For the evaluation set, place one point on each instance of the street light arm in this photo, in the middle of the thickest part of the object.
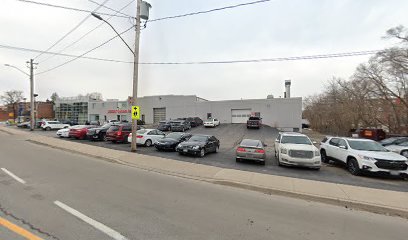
(123, 40)
(18, 69)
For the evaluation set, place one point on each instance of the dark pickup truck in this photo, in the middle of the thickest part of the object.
(254, 122)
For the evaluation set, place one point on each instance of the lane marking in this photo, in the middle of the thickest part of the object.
(20, 231)
(13, 176)
(100, 226)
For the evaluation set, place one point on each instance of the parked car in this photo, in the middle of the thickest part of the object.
(24, 125)
(99, 133)
(211, 122)
(188, 120)
(369, 133)
(400, 148)
(362, 155)
(393, 141)
(171, 141)
(179, 126)
(164, 125)
(196, 122)
(80, 131)
(147, 137)
(199, 145)
(119, 133)
(51, 125)
(250, 149)
(254, 122)
(63, 133)
(296, 149)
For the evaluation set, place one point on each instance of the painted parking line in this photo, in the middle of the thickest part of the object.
(13, 176)
(18, 230)
(100, 226)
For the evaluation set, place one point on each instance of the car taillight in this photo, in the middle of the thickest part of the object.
(260, 151)
(241, 150)
(119, 133)
(139, 136)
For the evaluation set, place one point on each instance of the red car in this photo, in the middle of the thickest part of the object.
(80, 131)
(118, 133)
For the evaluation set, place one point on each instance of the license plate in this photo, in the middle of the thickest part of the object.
(185, 150)
(394, 173)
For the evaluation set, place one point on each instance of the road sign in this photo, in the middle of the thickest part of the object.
(135, 112)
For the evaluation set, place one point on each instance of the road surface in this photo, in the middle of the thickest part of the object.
(53, 194)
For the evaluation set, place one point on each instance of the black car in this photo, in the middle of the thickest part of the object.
(164, 126)
(188, 120)
(199, 145)
(99, 133)
(196, 122)
(171, 141)
(179, 126)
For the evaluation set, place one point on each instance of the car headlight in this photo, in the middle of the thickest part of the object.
(317, 153)
(196, 147)
(178, 146)
(367, 158)
(284, 151)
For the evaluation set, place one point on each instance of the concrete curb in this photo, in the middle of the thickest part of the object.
(347, 203)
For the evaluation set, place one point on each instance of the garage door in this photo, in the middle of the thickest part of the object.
(240, 115)
(159, 114)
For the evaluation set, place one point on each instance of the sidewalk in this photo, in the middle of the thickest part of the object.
(373, 200)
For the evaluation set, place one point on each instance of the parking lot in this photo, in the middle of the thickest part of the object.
(230, 136)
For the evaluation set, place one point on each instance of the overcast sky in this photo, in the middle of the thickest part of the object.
(280, 28)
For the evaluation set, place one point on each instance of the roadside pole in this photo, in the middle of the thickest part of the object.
(135, 74)
(32, 105)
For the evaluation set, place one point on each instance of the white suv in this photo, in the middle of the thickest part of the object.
(48, 125)
(296, 149)
(363, 155)
(211, 122)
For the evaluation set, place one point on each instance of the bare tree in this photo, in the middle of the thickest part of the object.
(11, 98)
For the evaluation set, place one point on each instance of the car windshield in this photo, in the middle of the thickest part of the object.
(162, 122)
(251, 143)
(254, 118)
(390, 140)
(175, 123)
(141, 132)
(176, 136)
(114, 128)
(365, 145)
(403, 144)
(198, 138)
(296, 140)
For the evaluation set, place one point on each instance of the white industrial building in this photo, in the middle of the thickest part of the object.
(282, 113)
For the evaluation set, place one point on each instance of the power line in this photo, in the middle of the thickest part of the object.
(60, 54)
(82, 55)
(86, 34)
(277, 59)
(116, 11)
(67, 8)
(209, 11)
(71, 31)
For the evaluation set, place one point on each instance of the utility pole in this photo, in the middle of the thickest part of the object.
(32, 105)
(135, 74)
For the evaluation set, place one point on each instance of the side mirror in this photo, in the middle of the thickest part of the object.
(277, 140)
(314, 142)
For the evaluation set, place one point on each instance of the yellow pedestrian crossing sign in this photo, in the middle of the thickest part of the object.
(135, 112)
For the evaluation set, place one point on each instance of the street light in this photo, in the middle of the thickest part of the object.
(145, 15)
(31, 75)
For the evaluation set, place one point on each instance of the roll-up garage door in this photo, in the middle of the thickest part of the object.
(159, 114)
(240, 115)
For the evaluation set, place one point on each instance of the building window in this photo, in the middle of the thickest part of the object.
(93, 105)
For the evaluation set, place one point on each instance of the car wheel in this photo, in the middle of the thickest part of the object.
(216, 149)
(405, 153)
(202, 152)
(262, 163)
(279, 163)
(323, 156)
(148, 143)
(352, 167)
(47, 129)
(104, 138)
(237, 160)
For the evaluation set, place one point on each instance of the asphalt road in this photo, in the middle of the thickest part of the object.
(69, 196)
(231, 134)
